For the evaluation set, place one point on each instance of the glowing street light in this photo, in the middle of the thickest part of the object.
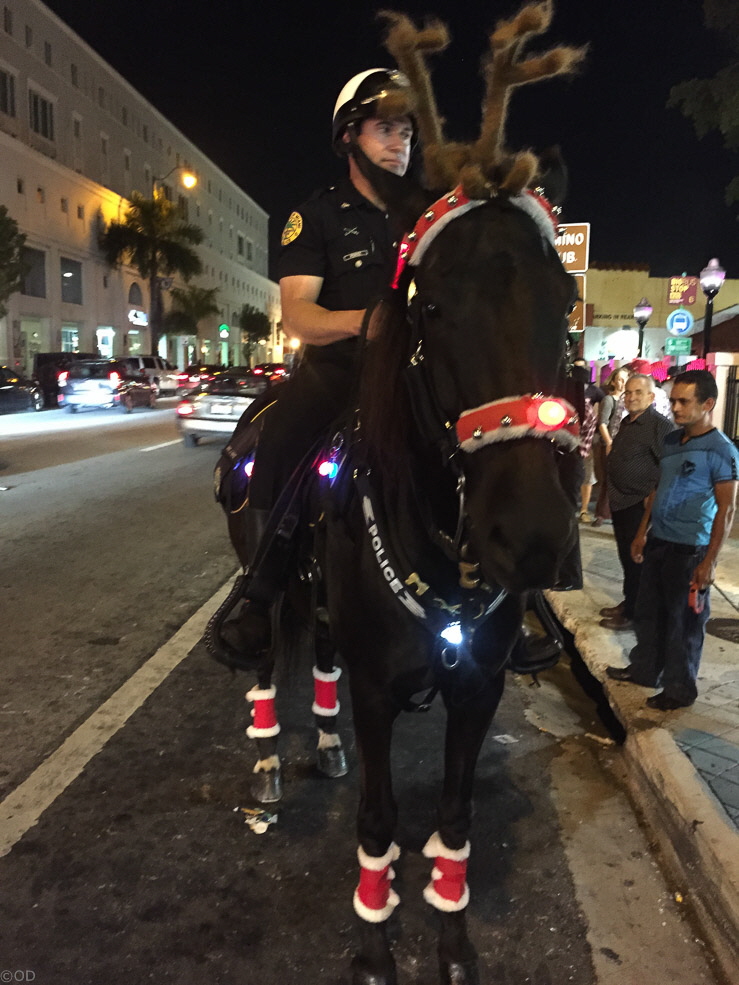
(711, 278)
(642, 314)
(188, 179)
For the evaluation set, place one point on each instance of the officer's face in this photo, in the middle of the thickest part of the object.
(387, 143)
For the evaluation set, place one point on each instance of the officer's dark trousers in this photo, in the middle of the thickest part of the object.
(308, 403)
(669, 633)
(625, 525)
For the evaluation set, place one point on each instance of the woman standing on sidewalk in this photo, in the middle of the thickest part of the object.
(609, 419)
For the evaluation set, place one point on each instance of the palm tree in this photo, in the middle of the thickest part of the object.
(155, 240)
(189, 306)
(254, 325)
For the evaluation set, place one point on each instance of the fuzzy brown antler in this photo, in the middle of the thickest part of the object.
(483, 168)
(504, 72)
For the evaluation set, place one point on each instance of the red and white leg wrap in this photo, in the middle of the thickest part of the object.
(263, 713)
(448, 889)
(324, 688)
(374, 897)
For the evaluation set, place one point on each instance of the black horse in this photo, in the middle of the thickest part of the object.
(448, 507)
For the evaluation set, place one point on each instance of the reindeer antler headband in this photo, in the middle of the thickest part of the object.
(483, 168)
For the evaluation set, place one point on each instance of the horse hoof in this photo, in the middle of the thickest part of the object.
(362, 975)
(332, 762)
(459, 973)
(266, 786)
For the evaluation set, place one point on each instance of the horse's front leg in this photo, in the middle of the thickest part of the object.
(374, 898)
(330, 755)
(449, 847)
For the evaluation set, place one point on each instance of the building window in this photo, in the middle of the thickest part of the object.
(145, 132)
(34, 279)
(77, 128)
(65, 205)
(41, 114)
(29, 36)
(74, 75)
(135, 296)
(124, 116)
(20, 186)
(80, 212)
(8, 20)
(240, 245)
(104, 146)
(249, 251)
(101, 97)
(47, 52)
(70, 339)
(71, 271)
(40, 195)
(126, 160)
(7, 93)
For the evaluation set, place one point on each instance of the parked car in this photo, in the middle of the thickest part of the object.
(162, 374)
(274, 372)
(101, 383)
(17, 393)
(191, 377)
(46, 369)
(215, 408)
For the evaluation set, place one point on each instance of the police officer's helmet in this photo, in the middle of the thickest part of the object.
(358, 99)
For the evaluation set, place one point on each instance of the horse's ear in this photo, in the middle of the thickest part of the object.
(552, 175)
(404, 196)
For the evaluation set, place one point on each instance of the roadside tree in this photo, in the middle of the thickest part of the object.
(12, 267)
(254, 325)
(155, 240)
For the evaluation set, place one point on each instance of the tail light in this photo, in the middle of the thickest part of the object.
(257, 371)
(63, 376)
(115, 378)
(185, 409)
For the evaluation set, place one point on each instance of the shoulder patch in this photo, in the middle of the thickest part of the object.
(293, 228)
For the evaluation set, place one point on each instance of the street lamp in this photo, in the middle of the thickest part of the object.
(189, 179)
(712, 277)
(642, 314)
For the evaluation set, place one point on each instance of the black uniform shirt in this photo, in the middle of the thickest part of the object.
(340, 236)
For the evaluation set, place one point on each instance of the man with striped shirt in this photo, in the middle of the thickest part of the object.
(633, 470)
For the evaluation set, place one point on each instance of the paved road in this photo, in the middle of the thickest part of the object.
(141, 869)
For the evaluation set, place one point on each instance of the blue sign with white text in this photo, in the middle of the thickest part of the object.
(679, 322)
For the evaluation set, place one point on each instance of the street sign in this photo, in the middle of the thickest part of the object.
(573, 246)
(576, 318)
(680, 322)
(677, 346)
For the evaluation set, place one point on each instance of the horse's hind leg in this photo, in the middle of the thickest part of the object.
(266, 785)
(467, 726)
(330, 756)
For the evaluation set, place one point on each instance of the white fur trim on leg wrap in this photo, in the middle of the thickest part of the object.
(374, 897)
(448, 890)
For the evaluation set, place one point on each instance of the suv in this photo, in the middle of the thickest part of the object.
(103, 383)
(46, 369)
(162, 374)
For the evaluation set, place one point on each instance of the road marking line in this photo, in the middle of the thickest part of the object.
(164, 444)
(23, 808)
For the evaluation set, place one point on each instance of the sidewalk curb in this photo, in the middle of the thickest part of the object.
(696, 838)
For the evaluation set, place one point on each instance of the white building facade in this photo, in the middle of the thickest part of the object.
(75, 140)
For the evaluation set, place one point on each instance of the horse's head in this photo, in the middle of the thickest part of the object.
(491, 307)
(491, 304)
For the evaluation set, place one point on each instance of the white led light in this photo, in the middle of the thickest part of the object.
(452, 634)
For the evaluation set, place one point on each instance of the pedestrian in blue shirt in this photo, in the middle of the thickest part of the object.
(686, 522)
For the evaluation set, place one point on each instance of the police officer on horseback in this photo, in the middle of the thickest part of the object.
(338, 254)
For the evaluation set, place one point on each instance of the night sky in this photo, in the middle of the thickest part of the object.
(253, 86)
